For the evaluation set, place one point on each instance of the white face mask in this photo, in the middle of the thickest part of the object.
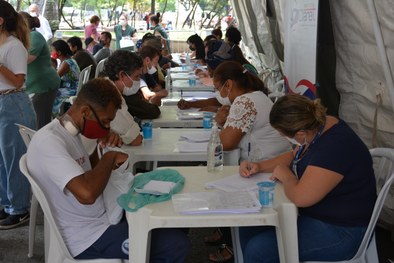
(222, 100)
(33, 14)
(69, 125)
(293, 141)
(127, 91)
(152, 70)
(122, 22)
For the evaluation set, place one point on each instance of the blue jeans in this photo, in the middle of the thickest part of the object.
(317, 241)
(14, 187)
(168, 245)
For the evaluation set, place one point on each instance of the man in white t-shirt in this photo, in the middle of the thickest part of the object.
(73, 181)
(45, 28)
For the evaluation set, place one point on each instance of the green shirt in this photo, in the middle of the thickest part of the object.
(41, 75)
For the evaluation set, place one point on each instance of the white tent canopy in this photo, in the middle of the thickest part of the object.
(362, 78)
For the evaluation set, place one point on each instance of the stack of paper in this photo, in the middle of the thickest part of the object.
(189, 147)
(202, 136)
(236, 182)
(216, 202)
(196, 115)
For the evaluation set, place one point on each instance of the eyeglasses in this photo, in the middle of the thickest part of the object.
(97, 118)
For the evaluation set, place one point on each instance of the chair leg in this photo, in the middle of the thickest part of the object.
(32, 224)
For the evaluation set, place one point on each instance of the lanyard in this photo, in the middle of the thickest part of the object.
(298, 156)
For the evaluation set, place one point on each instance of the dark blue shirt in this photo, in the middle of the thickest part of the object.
(351, 202)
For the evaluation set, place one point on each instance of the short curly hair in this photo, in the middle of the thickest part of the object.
(99, 92)
(121, 60)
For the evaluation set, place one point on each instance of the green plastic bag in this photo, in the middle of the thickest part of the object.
(132, 201)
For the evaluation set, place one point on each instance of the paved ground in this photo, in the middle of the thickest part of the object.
(14, 245)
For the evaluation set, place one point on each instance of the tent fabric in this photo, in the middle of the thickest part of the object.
(359, 75)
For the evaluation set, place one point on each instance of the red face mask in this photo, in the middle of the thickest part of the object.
(94, 129)
(54, 55)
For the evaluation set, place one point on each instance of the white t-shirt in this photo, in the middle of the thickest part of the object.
(45, 28)
(54, 157)
(124, 124)
(250, 113)
(13, 55)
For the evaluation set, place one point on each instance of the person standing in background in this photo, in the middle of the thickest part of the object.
(158, 30)
(15, 107)
(42, 80)
(45, 28)
(91, 29)
(123, 30)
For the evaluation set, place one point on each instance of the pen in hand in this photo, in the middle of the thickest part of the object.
(249, 159)
(181, 94)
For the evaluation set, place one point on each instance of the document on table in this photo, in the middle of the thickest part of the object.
(236, 182)
(191, 115)
(216, 203)
(190, 147)
(197, 137)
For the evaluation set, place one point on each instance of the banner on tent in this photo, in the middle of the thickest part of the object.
(300, 47)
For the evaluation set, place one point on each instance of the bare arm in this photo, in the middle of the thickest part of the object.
(64, 68)
(183, 104)
(314, 185)
(16, 80)
(247, 168)
(89, 186)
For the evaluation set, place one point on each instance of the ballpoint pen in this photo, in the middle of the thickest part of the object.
(181, 94)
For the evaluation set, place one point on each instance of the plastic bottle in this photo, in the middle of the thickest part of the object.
(215, 151)
(168, 80)
(188, 59)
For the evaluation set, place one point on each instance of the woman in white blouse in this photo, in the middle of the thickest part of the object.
(247, 126)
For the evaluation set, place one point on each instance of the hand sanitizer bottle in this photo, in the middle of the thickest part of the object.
(215, 151)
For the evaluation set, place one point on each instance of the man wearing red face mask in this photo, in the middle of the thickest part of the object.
(74, 182)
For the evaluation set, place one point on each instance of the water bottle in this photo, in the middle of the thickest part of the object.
(168, 80)
(188, 59)
(215, 151)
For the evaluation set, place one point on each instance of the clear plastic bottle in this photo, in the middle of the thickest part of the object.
(215, 151)
(167, 79)
(188, 62)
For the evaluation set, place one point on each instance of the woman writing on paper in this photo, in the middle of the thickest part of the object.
(247, 123)
(329, 176)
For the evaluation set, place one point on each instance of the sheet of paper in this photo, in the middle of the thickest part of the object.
(186, 147)
(236, 182)
(216, 202)
(202, 136)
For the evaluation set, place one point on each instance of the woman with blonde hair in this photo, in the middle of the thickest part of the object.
(329, 176)
(15, 107)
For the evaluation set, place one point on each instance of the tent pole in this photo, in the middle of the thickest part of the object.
(382, 50)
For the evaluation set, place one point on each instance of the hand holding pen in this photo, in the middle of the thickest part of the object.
(247, 169)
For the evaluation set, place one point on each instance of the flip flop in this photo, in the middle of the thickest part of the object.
(224, 254)
(216, 238)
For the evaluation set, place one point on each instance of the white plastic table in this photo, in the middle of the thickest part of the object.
(183, 85)
(161, 149)
(162, 215)
(174, 96)
(169, 119)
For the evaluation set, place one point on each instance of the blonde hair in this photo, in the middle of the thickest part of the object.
(294, 112)
(14, 23)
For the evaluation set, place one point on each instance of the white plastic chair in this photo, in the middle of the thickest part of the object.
(100, 67)
(384, 174)
(55, 249)
(27, 134)
(83, 77)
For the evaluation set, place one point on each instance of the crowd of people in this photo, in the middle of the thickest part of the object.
(293, 138)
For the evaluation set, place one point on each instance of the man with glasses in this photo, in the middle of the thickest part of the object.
(74, 182)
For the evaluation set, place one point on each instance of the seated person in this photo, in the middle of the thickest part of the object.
(125, 77)
(217, 32)
(68, 72)
(82, 57)
(90, 43)
(73, 181)
(247, 125)
(196, 45)
(105, 51)
(137, 105)
(335, 194)
(151, 90)
(165, 60)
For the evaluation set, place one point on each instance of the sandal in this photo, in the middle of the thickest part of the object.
(224, 254)
(215, 239)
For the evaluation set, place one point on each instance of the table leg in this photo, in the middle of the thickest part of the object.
(139, 236)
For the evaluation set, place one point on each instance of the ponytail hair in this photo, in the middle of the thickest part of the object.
(14, 23)
(155, 18)
(32, 21)
(240, 75)
(293, 112)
